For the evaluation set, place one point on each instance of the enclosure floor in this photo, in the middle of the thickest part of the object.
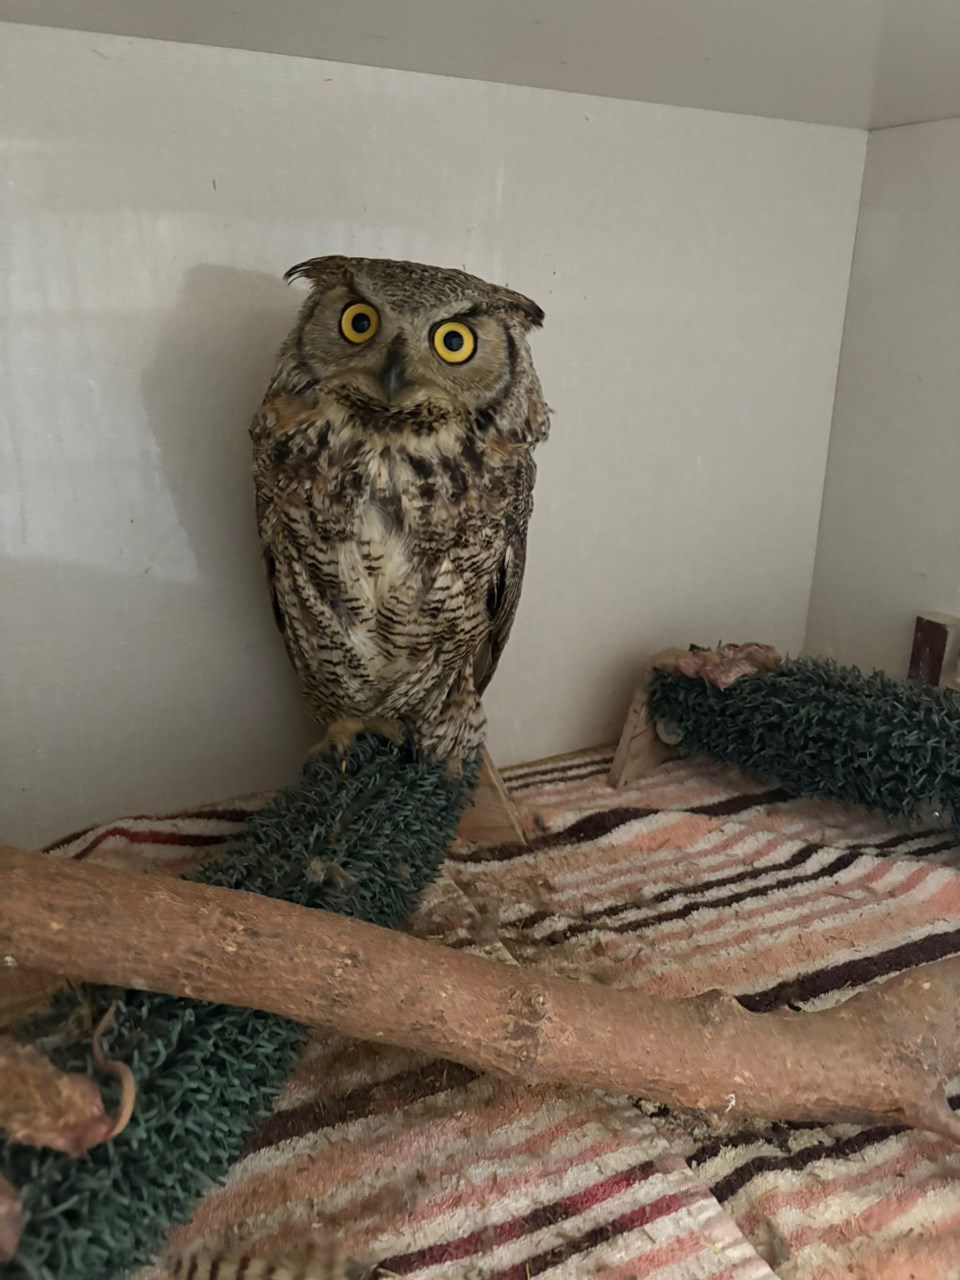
(693, 878)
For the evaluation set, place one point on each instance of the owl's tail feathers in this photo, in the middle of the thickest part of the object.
(451, 726)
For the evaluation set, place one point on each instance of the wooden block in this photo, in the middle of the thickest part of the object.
(640, 750)
(492, 818)
(936, 650)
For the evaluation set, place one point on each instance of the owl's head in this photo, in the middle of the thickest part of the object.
(403, 337)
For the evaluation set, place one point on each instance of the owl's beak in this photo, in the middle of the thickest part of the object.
(393, 375)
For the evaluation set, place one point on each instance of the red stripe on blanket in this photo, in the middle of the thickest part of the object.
(545, 1215)
(238, 816)
(602, 1233)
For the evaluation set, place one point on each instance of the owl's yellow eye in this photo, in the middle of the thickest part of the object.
(454, 342)
(359, 322)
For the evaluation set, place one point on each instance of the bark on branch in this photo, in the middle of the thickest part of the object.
(883, 1056)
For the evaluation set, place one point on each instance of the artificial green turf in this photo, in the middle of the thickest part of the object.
(363, 837)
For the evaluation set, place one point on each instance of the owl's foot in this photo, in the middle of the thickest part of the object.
(342, 734)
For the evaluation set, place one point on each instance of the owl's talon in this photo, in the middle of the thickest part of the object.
(342, 734)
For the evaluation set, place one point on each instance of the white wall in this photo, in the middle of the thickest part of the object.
(693, 267)
(866, 64)
(890, 538)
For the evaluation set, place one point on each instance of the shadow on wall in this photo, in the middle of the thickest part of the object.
(211, 368)
(176, 690)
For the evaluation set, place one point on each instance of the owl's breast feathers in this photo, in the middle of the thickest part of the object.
(395, 558)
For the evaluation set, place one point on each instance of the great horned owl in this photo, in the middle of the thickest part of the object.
(393, 460)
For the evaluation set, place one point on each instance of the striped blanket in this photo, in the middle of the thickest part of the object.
(693, 878)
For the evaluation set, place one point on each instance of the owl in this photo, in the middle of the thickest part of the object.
(394, 473)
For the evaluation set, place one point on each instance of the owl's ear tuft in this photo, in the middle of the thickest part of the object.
(527, 312)
(323, 273)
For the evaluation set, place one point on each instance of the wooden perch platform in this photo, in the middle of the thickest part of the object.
(491, 817)
(883, 1056)
(641, 748)
(935, 658)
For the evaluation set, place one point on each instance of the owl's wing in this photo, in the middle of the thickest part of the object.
(503, 590)
(270, 568)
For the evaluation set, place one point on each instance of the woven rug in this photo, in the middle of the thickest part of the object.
(694, 878)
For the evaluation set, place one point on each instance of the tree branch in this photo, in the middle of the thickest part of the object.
(883, 1056)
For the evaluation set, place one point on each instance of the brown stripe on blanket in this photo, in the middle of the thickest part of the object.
(854, 973)
(832, 1146)
(914, 847)
(776, 1133)
(907, 837)
(592, 827)
(572, 773)
(604, 822)
(929, 850)
(739, 804)
(854, 1145)
(710, 904)
(603, 915)
(601, 759)
(382, 1098)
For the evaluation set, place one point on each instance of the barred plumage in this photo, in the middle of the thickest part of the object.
(394, 474)
(321, 1260)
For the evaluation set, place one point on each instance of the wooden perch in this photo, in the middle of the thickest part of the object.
(883, 1056)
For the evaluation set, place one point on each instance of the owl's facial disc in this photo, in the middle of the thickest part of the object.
(421, 357)
(393, 375)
